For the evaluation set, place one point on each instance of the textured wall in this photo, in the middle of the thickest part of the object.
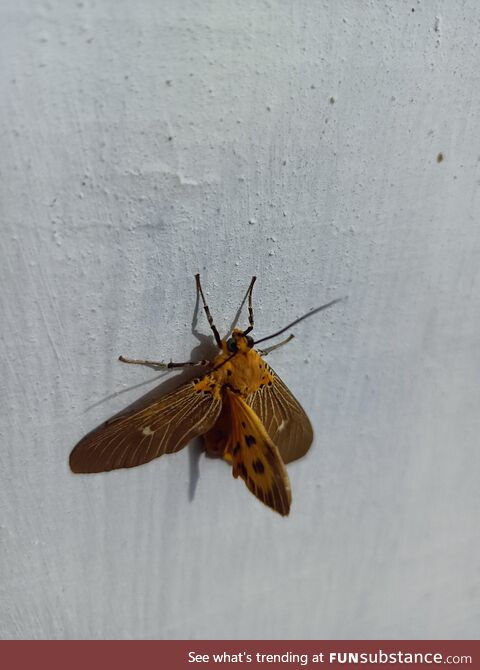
(143, 142)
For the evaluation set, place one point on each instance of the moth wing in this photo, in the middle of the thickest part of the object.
(218, 437)
(163, 427)
(283, 417)
(256, 459)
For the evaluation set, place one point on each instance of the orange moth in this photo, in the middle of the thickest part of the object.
(240, 406)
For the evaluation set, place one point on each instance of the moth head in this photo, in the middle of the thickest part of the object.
(238, 342)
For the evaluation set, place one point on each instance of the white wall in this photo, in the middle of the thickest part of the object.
(145, 141)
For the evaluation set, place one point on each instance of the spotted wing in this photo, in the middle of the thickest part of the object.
(284, 419)
(218, 437)
(162, 427)
(255, 458)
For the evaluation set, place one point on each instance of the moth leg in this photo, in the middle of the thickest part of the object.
(161, 364)
(264, 352)
(250, 307)
(218, 339)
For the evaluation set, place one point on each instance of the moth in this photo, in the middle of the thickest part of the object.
(240, 406)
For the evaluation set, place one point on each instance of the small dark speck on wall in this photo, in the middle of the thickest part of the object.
(440, 157)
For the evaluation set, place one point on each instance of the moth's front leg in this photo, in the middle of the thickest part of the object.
(161, 365)
(264, 352)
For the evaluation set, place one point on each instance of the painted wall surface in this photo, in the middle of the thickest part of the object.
(331, 148)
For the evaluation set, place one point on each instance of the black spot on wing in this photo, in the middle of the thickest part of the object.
(258, 466)
(271, 456)
(249, 439)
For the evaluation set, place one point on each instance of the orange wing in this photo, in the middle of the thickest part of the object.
(218, 437)
(255, 457)
(163, 427)
(283, 417)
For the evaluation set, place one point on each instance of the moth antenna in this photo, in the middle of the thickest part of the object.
(305, 316)
(250, 307)
(215, 332)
